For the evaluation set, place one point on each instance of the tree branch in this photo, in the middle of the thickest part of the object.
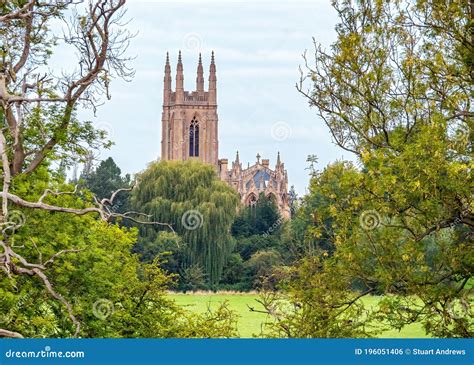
(10, 334)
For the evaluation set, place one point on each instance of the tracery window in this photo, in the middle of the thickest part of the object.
(194, 138)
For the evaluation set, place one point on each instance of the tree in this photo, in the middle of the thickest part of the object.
(293, 200)
(247, 246)
(51, 232)
(318, 303)
(200, 207)
(168, 246)
(330, 192)
(257, 231)
(261, 266)
(38, 109)
(396, 91)
(193, 278)
(105, 180)
(262, 218)
(233, 275)
(111, 293)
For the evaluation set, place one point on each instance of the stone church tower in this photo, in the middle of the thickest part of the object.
(189, 131)
(189, 120)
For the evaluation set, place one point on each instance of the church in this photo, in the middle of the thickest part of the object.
(190, 131)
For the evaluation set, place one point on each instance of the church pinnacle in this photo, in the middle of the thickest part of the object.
(167, 81)
(200, 76)
(179, 80)
(212, 81)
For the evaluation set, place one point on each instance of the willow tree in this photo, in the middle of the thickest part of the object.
(200, 207)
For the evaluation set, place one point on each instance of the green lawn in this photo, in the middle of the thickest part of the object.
(250, 322)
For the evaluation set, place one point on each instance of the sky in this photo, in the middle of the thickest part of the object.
(258, 49)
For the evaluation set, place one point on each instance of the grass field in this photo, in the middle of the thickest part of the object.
(250, 323)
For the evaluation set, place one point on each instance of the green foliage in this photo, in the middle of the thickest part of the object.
(396, 92)
(73, 144)
(261, 267)
(257, 231)
(73, 267)
(329, 193)
(200, 207)
(247, 246)
(111, 292)
(193, 278)
(242, 272)
(318, 302)
(105, 180)
(233, 273)
(167, 245)
(263, 218)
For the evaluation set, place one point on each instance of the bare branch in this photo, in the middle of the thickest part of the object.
(56, 193)
(101, 209)
(52, 208)
(56, 255)
(6, 174)
(110, 201)
(10, 334)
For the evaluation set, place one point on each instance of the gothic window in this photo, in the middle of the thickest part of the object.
(252, 201)
(194, 138)
(258, 177)
(272, 197)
